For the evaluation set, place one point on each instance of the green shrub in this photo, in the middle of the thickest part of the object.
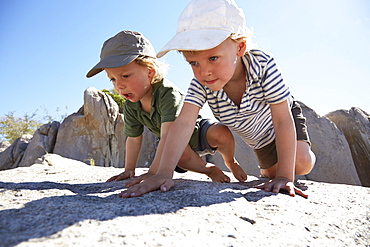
(116, 97)
(12, 127)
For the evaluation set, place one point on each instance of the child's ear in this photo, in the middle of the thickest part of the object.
(151, 73)
(242, 47)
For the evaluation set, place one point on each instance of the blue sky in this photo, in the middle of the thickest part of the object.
(47, 47)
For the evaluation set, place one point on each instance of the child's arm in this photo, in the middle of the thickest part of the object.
(177, 138)
(286, 150)
(285, 139)
(133, 147)
(155, 163)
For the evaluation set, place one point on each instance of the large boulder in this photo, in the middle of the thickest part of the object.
(334, 161)
(12, 156)
(42, 142)
(90, 134)
(355, 125)
(95, 136)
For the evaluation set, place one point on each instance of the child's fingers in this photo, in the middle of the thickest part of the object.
(112, 179)
(132, 182)
(120, 177)
(148, 185)
(276, 188)
(291, 189)
(138, 190)
(168, 184)
(131, 192)
(268, 186)
(301, 193)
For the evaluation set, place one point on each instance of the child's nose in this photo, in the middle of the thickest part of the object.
(205, 71)
(119, 85)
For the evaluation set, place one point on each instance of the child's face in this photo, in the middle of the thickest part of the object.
(215, 67)
(131, 81)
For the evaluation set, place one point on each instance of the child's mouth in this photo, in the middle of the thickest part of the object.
(211, 82)
(127, 96)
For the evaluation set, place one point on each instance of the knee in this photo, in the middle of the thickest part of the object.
(219, 134)
(304, 163)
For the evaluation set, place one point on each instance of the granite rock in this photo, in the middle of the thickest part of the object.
(63, 202)
(334, 162)
(355, 125)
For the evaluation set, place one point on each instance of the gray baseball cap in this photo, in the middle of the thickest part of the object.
(122, 49)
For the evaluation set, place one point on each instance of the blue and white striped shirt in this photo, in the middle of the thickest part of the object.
(252, 121)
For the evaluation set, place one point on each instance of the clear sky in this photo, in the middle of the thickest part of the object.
(47, 47)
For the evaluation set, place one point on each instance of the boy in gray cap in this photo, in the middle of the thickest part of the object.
(130, 62)
(245, 90)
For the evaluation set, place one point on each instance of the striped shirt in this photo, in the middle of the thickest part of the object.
(252, 121)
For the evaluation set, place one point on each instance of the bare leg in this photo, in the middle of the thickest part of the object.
(305, 161)
(219, 136)
(192, 162)
(305, 158)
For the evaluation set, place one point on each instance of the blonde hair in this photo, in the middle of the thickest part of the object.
(247, 37)
(158, 66)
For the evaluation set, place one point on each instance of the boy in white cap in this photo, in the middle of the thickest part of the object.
(245, 90)
(130, 62)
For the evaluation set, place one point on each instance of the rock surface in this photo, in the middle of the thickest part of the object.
(12, 155)
(90, 134)
(42, 142)
(355, 125)
(63, 202)
(94, 134)
(334, 163)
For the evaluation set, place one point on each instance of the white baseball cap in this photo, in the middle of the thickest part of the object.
(204, 24)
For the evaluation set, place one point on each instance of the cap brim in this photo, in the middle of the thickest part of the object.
(111, 62)
(195, 40)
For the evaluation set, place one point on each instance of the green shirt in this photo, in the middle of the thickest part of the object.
(166, 105)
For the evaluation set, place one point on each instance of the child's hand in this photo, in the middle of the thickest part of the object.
(276, 184)
(128, 173)
(138, 179)
(158, 181)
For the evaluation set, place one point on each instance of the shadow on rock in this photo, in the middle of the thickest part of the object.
(73, 203)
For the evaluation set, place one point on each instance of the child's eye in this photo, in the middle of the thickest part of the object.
(193, 63)
(112, 80)
(125, 76)
(213, 58)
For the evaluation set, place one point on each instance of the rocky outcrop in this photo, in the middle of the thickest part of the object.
(94, 135)
(90, 134)
(42, 142)
(334, 161)
(12, 156)
(355, 125)
(67, 203)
